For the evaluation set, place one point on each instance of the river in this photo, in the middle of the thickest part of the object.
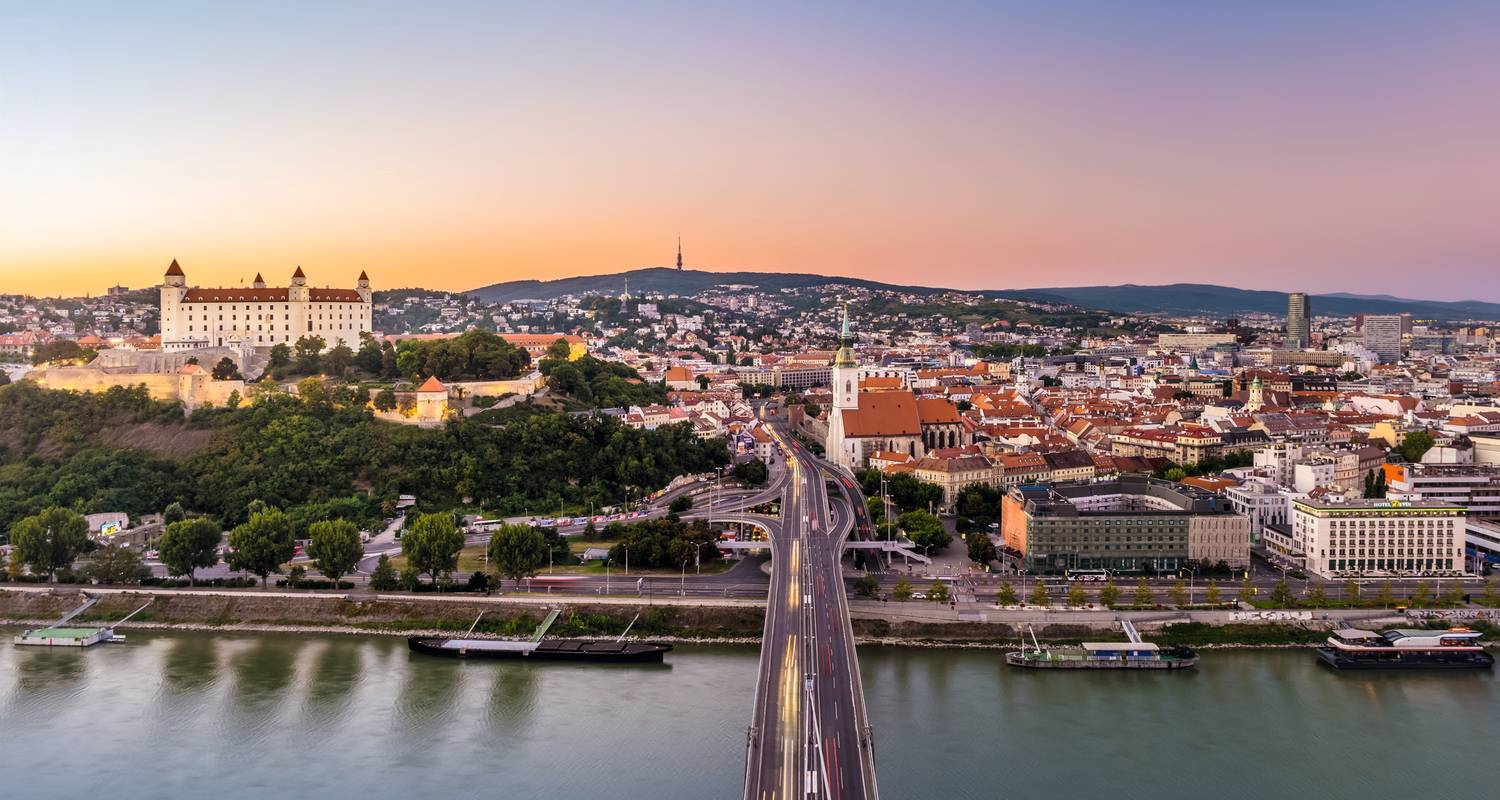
(256, 715)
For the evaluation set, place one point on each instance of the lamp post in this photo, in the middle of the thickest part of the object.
(698, 556)
(1192, 576)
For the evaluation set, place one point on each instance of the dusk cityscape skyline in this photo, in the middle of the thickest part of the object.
(1280, 147)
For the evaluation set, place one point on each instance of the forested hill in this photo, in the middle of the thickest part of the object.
(662, 279)
(1175, 298)
(321, 456)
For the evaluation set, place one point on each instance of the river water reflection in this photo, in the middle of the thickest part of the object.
(244, 715)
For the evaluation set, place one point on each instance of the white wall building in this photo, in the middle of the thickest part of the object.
(1378, 538)
(259, 316)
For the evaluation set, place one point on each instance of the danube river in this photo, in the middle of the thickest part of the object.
(255, 716)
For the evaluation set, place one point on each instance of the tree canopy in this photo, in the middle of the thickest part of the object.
(261, 544)
(474, 355)
(188, 544)
(334, 547)
(517, 551)
(49, 541)
(431, 544)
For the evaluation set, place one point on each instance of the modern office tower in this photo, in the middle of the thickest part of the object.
(1298, 332)
(1383, 336)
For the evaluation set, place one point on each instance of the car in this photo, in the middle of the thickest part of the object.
(918, 596)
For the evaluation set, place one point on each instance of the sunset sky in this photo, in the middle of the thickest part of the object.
(1323, 146)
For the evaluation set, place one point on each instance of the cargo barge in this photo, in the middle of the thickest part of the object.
(540, 649)
(1134, 654)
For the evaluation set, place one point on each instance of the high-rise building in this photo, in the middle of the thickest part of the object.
(1298, 332)
(1383, 336)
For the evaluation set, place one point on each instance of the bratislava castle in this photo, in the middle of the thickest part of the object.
(259, 316)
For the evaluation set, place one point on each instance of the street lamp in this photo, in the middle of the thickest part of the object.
(698, 557)
(1192, 576)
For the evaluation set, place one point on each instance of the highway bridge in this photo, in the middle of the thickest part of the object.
(809, 736)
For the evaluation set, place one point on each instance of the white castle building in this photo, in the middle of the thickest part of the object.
(258, 316)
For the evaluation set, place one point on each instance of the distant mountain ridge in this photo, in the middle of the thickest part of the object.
(1174, 298)
(1203, 298)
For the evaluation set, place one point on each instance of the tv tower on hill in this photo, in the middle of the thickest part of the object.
(679, 254)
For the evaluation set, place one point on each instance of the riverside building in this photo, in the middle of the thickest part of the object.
(1131, 524)
(1379, 538)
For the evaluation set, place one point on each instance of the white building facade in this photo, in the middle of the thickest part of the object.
(1375, 538)
(261, 316)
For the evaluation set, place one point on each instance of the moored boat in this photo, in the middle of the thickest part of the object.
(549, 650)
(540, 648)
(1134, 654)
(1405, 648)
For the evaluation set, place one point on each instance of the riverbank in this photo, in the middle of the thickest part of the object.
(739, 623)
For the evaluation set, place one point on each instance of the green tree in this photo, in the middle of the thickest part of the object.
(334, 547)
(385, 399)
(517, 551)
(981, 549)
(338, 361)
(431, 544)
(681, 504)
(226, 370)
(281, 355)
(110, 564)
(1422, 597)
(1281, 595)
(925, 531)
(188, 544)
(368, 357)
(1176, 474)
(1414, 445)
(902, 590)
(49, 541)
(1039, 596)
(1178, 593)
(173, 513)
(753, 472)
(938, 592)
(1316, 597)
(1076, 596)
(383, 577)
(1211, 595)
(262, 544)
(308, 350)
(1109, 595)
(1143, 593)
(1006, 596)
(559, 349)
(296, 575)
(866, 585)
(1247, 592)
(1351, 592)
(1387, 596)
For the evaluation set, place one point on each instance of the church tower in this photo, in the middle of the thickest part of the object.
(259, 282)
(1257, 399)
(844, 375)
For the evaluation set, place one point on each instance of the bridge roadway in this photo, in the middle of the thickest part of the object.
(809, 736)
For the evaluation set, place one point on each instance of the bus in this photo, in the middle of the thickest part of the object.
(1088, 575)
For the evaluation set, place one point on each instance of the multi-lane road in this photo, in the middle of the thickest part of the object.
(809, 736)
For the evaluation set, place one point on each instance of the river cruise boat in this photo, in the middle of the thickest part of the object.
(1405, 648)
(1134, 654)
